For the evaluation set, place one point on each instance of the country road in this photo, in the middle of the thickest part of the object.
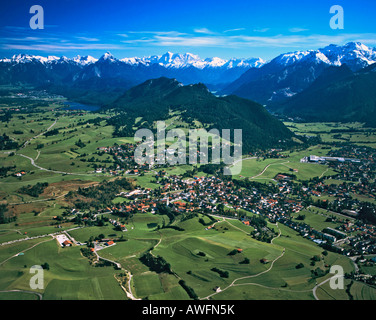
(24, 291)
(233, 283)
(48, 129)
(118, 265)
(266, 168)
(321, 283)
(251, 276)
(32, 161)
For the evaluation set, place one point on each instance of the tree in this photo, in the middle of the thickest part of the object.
(3, 217)
(245, 261)
(3, 209)
(46, 266)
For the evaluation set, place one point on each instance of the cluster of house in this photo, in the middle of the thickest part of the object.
(123, 156)
(341, 190)
(361, 242)
(184, 195)
(117, 224)
(20, 174)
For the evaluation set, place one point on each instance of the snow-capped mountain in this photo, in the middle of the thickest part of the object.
(290, 73)
(85, 60)
(187, 68)
(171, 60)
(26, 58)
(167, 60)
(255, 79)
(186, 60)
(354, 54)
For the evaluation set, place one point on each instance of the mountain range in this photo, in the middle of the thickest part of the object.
(291, 73)
(187, 68)
(297, 84)
(254, 78)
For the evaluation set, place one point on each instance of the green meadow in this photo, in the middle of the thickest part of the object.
(258, 169)
(69, 276)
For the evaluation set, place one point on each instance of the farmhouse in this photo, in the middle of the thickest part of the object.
(67, 243)
(109, 243)
(64, 240)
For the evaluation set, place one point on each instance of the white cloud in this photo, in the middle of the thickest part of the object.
(233, 30)
(262, 30)
(297, 29)
(200, 38)
(63, 47)
(88, 39)
(203, 30)
(241, 41)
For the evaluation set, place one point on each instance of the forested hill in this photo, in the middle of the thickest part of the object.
(337, 95)
(155, 99)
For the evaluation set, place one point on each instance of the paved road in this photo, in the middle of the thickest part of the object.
(321, 283)
(40, 236)
(32, 161)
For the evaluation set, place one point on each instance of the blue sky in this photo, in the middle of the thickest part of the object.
(226, 29)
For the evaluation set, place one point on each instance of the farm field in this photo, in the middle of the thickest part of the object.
(68, 274)
(266, 170)
(354, 132)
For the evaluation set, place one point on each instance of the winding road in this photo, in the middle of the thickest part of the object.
(118, 265)
(233, 283)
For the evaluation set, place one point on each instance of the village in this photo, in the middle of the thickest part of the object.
(214, 196)
(251, 202)
(355, 166)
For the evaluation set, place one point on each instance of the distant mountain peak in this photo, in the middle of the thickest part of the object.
(356, 46)
(84, 60)
(107, 57)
